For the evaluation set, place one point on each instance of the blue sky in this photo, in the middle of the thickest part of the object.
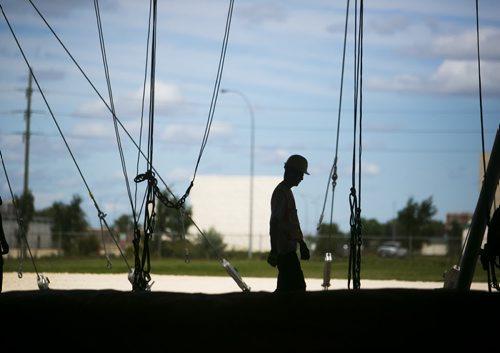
(421, 111)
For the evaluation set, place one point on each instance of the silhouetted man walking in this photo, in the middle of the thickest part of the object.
(284, 229)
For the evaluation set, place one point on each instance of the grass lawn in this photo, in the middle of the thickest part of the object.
(417, 268)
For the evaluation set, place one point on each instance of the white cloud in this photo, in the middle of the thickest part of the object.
(258, 14)
(461, 77)
(455, 76)
(389, 25)
(370, 168)
(194, 133)
(167, 98)
(50, 8)
(165, 94)
(281, 54)
(450, 77)
(179, 175)
(367, 169)
(276, 156)
(10, 142)
(464, 45)
(92, 109)
(399, 83)
(92, 129)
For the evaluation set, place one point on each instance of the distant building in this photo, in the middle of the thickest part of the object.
(223, 203)
(39, 237)
(462, 219)
(434, 247)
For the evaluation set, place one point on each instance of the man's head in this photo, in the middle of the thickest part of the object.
(298, 163)
(295, 168)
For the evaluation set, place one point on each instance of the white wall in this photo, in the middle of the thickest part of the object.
(223, 202)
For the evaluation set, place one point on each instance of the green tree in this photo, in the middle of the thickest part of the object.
(432, 228)
(88, 245)
(26, 209)
(373, 228)
(329, 239)
(212, 244)
(68, 221)
(415, 219)
(123, 224)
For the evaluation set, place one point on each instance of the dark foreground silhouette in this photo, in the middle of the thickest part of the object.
(338, 321)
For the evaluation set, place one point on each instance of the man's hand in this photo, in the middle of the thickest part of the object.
(272, 259)
(5, 249)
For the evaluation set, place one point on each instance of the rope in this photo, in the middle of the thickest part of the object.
(215, 94)
(480, 86)
(173, 204)
(143, 264)
(100, 213)
(117, 133)
(42, 280)
(142, 118)
(90, 82)
(480, 116)
(333, 171)
(481, 93)
(115, 118)
(212, 105)
(491, 252)
(231, 270)
(178, 202)
(354, 200)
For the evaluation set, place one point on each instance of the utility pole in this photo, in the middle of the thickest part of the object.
(23, 229)
(29, 91)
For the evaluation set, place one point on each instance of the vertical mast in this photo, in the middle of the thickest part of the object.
(480, 218)
(29, 91)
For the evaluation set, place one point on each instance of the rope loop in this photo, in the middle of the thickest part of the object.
(334, 176)
(101, 215)
(353, 202)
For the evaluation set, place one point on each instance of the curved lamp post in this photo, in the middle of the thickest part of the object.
(252, 144)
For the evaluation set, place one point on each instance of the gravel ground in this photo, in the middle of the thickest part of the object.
(193, 284)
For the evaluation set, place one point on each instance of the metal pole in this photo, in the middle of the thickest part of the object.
(252, 148)
(29, 91)
(480, 218)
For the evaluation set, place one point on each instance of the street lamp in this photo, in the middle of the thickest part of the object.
(252, 144)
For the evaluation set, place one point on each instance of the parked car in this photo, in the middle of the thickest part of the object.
(392, 248)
